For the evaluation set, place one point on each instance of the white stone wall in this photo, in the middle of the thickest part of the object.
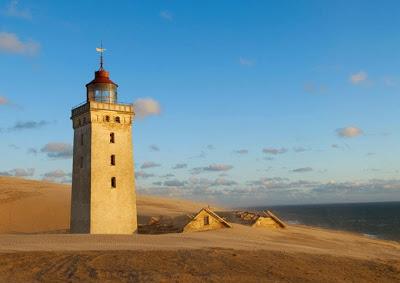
(112, 210)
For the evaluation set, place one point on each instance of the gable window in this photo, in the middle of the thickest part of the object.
(206, 220)
(113, 182)
(112, 138)
(117, 119)
(112, 160)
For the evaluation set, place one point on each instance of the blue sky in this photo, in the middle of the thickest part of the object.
(258, 102)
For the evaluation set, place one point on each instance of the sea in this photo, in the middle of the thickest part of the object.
(375, 220)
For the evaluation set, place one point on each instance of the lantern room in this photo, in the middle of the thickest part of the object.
(102, 89)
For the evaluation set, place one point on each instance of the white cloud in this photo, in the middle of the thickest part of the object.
(180, 166)
(154, 147)
(210, 147)
(27, 125)
(146, 107)
(302, 170)
(149, 164)
(241, 151)
(275, 190)
(169, 175)
(14, 11)
(32, 150)
(19, 172)
(223, 182)
(174, 183)
(358, 78)
(212, 168)
(246, 62)
(274, 151)
(58, 175)
(349, 132)
(299, 149)
(10, 43)
(58, 150)
(3, 100)
(144, 175)
(166, 15)
(55, 174)
(218, 167)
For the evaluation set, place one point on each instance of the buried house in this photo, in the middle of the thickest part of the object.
(265, 219)
(204, 220)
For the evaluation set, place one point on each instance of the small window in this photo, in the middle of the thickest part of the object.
(113, 182)
(81, 139)
(79, 122)
(113, 160)
(84, 120)
(112, 138)
(206, 220)
(81, 162)
(107, 118)
(117, 119)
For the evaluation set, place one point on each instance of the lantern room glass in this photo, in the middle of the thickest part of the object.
(105, 93)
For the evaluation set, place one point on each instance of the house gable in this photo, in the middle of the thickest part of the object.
(205, 220)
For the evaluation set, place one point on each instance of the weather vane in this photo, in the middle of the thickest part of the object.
(101, 51)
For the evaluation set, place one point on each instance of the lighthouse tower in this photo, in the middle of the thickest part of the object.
(103, 197)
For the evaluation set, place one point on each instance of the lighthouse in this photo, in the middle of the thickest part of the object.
(103, 199)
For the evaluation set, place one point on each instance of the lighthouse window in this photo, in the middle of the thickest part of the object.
(112, 138)
(206, 220)
(113, 160)
(117, 119)
(113, 182)
(105, 94)
(107, 118)
(81, 139)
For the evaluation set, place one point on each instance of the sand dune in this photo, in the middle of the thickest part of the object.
(28, 206)
(30, 211)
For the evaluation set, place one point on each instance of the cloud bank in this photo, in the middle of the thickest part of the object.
(145, 107)
(358, 78)
(58, 150)
(349, 132)
(10, 43)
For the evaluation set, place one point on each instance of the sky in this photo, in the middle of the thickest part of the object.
(238, 102)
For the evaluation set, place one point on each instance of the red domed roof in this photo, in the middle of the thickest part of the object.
(101, 77)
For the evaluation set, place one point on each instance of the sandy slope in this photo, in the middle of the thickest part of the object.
(240, 254)
(28, 206)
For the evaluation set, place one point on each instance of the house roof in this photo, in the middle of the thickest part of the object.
(277, 220)
(214, 215)
(249, 218)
